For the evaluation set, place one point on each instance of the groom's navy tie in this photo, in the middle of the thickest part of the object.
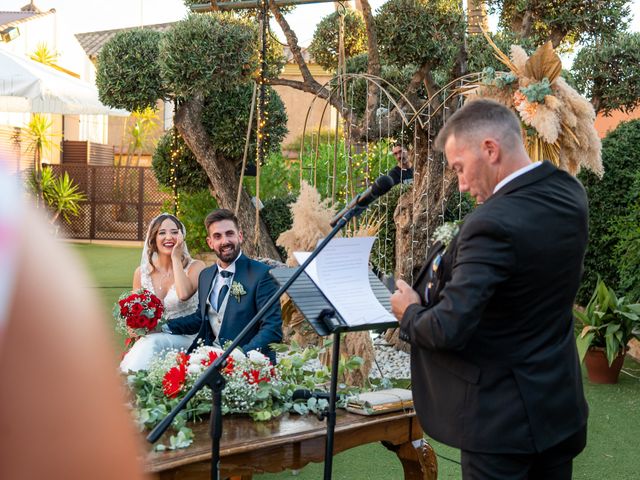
(225, 288)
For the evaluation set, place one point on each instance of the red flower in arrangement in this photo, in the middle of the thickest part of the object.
(253, 376)
(137, 308)
(173, 380)
(212, 358)
(229, 366)
(182, 358)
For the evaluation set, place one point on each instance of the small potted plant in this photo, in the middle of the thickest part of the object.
(609, 323)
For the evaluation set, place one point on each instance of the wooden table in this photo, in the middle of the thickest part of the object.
(291, 442)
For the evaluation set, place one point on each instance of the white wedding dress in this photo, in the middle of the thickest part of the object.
(148, 347)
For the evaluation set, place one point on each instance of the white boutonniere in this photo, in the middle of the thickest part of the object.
(446, 232)
(237, 290)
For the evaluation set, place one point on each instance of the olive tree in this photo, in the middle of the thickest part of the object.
(205, 63)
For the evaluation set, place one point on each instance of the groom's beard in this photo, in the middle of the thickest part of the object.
(228, 255)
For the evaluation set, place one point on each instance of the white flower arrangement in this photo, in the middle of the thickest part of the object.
(253, 386)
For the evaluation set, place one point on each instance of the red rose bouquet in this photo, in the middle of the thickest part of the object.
(138, 313)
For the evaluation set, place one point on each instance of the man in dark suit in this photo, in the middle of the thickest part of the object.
(230, 293)
(493, 361)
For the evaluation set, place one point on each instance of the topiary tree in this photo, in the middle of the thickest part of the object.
(128, 75)
(324, 46)
(608, 73)
(563, 23)
(412, 32)
(609, 202)
(206, 63)
(190, 177)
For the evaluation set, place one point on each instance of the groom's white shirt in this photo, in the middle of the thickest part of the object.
(215, 317)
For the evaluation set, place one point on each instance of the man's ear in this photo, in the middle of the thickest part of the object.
(491, 149)
(209, 242)
(240, 236)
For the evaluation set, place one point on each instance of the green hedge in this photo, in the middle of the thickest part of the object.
(609, 201)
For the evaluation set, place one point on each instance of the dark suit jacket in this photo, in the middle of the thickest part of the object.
(493, 360)
(254, 277)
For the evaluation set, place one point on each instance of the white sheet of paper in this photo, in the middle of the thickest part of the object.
(341, 272)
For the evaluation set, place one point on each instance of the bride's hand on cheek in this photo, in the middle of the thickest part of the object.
(176, 253)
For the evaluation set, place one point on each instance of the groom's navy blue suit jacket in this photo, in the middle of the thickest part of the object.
(254, 277)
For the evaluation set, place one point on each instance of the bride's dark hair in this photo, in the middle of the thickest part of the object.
(153, 232)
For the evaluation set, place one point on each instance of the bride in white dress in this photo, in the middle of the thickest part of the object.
(167, 270)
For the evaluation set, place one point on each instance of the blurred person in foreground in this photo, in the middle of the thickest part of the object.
(494, 364)
(62, 408)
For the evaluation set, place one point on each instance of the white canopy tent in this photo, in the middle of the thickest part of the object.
(29, 86)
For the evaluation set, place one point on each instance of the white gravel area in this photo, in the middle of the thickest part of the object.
(390, 363)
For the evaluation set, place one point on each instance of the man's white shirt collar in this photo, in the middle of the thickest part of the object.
(516, 174)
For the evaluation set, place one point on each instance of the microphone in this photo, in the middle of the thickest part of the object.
(304, 394)
(382, 185)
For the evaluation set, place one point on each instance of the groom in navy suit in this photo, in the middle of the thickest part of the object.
(230, 293)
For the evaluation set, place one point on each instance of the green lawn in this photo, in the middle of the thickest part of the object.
(614, 420)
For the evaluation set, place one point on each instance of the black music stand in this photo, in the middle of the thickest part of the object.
(324, 319)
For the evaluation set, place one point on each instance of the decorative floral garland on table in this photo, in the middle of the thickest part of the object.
(253, 386)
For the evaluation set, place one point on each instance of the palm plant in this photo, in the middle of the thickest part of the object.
(45, 55)
(39, 138)
(60, 193)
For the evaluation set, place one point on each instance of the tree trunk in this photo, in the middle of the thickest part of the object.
(418, 214)
(221, 173)
(477, 19)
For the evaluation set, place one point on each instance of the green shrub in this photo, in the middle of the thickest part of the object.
(609, 200)
(627, 251)
(276, 178)
(277, 217)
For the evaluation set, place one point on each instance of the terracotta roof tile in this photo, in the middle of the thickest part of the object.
(11, 19)
(92, 42)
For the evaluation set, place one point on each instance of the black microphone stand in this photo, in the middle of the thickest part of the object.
(213, 378)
